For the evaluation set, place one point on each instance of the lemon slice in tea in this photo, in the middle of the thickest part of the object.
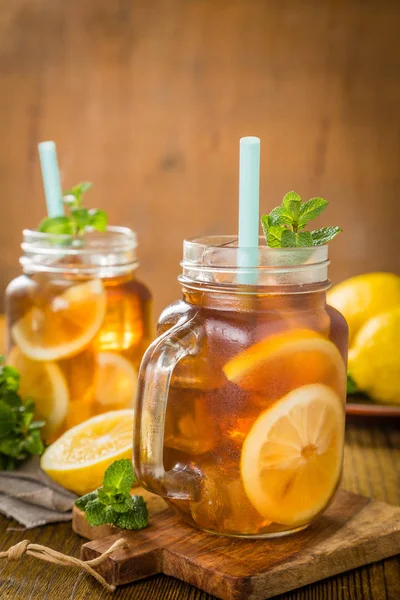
(292, 456)
(45, 383)
(78, 459)
(116, 381)
(65, 325)
(282, 362)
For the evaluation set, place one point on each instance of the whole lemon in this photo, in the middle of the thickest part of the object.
(364, 296)
(374, 358)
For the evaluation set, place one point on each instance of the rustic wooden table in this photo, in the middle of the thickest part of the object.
(372, 468)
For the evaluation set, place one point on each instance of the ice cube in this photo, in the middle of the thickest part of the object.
(223, 505)
(189, 426)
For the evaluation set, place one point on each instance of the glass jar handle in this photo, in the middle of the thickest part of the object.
(151, 404)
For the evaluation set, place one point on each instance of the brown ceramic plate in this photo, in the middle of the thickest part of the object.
(362, 406)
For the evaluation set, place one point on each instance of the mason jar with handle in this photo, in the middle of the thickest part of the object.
(79, 322)
(241, 400)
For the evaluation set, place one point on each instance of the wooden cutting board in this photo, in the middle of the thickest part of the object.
(354, 531)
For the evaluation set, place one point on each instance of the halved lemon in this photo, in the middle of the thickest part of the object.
(45, 383)
(116, 381)
(65, 325)
(292, 456)
(78, 459)
(285, 361)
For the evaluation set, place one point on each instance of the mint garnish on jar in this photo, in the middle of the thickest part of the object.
(78, 218)
(285, 225)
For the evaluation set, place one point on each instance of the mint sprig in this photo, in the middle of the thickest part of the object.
(19, 434)
(112, 503)
(79, 219)
(284, 226)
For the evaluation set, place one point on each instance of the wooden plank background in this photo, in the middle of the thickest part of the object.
(148, 99)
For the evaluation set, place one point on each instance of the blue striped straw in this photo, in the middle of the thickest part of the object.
(51, 179)
(249, 203)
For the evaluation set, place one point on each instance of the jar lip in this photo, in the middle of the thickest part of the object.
(222, 251)
(95, 253)
(115, 236)
(218, 260)
(232, 241)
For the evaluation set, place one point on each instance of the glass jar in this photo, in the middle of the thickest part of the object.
(78, 324)
(240, 409)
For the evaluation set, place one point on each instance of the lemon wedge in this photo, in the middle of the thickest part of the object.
(78, 459)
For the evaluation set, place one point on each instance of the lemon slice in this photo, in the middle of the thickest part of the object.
(64, 326)
(285, 361)
(292, 456)
(46, 385)
(78, 459)
(116, 381)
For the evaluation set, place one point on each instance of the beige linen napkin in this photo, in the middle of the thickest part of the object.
(30, 497)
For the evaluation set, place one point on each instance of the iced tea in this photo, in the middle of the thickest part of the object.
(255, 413)
(79, 323)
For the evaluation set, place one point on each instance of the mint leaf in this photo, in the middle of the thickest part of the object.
(11, 447)
(291, 205)
(288, 239)
(304, 239)
(73, 196)
(8, 419)
(9, 378)
(82, 502)
(288, 216)
(324, 235)
(112, 503)
(274, 217)
(111, 515)
(14, 401)
(311, 209)
(59, 225)
(36, 425)
(19, 433)
(105, 495)
(290, 198)
(83, 187)
(121, 503)
(137, 518)
(120, 475)
(81, 218)
(27, 419)
(284, 224)
(33, 443)
(95, 512)
(265, 224)
(274, 236)
(98, 219)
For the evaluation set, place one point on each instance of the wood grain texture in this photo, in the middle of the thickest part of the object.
(148, 99)
(371, 468)
(353, 531)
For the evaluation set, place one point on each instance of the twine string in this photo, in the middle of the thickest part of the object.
(16, 553)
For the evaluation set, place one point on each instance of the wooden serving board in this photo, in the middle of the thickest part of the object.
(354, 531)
